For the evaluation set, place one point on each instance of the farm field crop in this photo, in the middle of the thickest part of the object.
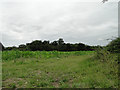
(54, 69)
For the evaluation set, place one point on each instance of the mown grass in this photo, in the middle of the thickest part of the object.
(62, 70)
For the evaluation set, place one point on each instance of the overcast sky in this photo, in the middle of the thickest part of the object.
(22, 21)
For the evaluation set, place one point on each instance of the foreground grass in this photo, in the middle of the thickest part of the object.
(78, 71)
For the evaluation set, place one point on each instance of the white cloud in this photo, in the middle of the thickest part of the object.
(75, 21)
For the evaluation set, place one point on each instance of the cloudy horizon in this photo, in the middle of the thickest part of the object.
(90, 23)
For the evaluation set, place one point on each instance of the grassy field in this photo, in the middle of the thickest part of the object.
(56, 70)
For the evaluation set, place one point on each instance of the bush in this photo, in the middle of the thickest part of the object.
(114, 46)
(102, 54)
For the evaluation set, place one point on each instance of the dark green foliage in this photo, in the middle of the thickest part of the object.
(35, 45)
(1, 46)
(58, 45)
(102, 54)
(114, 46)
(60, 41)
(11, 48)
(81, 46)
(22, 47)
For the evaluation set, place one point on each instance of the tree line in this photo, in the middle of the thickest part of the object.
(58, 45)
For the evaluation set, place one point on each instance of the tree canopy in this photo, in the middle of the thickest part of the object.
(58, 45)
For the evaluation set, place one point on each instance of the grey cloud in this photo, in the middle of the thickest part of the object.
(76, 22)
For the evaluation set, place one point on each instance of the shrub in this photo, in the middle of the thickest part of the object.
(114, 46)
(102, 54)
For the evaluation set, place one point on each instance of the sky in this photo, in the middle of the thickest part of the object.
(76, 21)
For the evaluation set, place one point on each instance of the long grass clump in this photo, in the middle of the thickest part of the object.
(109, 60)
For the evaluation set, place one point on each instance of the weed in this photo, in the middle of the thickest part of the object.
(78, 70)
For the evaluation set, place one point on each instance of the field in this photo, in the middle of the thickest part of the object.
(53, 69)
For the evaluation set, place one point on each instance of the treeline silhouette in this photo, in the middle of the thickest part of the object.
(1, 47)
(58, 45)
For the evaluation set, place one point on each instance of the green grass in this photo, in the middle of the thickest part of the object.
(0, 69)
(56, 70)
(12, 55)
